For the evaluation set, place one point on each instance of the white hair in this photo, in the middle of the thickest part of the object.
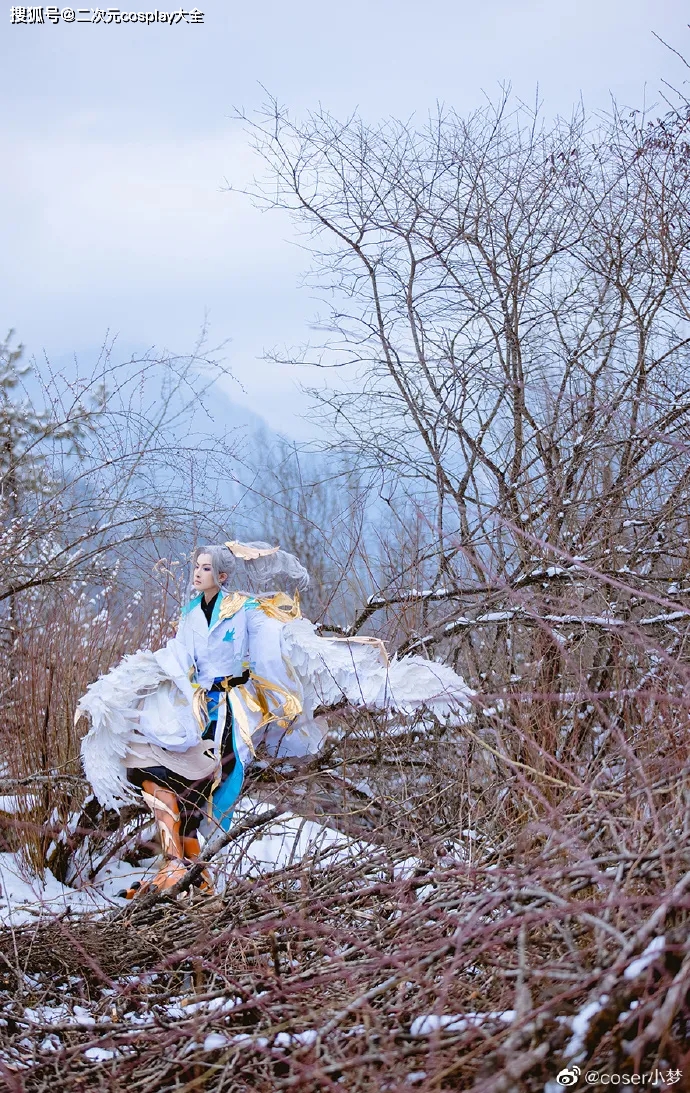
(277, 572)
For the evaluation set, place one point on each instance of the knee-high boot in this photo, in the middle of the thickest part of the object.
(166, 812)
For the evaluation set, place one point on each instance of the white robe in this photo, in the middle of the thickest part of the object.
(150, 698)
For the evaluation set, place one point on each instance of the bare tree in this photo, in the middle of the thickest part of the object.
(316, 506)
(95, 467)
(509, 305)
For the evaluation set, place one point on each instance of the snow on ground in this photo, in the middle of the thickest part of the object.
(579, 1024)
(86, 1016)
(458, 1022)
(145, 1014)
(653, 950)
(24, 898)
(285, 842)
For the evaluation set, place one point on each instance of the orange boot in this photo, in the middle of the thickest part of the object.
(166, 811)
(192, 849)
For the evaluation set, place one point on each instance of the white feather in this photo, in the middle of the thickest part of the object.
(332, 669)
(413, 682)
(111, 704)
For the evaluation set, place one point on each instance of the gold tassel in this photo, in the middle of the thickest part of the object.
(292, 706)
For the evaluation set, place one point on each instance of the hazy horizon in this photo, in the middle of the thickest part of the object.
(120, 141)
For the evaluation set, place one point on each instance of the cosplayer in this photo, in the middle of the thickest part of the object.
(179, 726)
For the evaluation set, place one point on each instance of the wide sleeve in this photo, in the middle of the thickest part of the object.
(176, 658)
(146, 696)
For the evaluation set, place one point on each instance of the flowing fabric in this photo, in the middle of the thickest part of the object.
(161, 698)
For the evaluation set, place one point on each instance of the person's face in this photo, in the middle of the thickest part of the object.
(203, 579)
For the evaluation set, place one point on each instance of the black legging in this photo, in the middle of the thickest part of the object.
(193, 796)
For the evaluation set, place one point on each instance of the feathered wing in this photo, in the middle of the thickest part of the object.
(332, 669)
(412, 682)
(110, 703)
(143, 697)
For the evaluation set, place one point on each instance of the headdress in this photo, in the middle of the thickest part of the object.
(256, 567)
(249, 551)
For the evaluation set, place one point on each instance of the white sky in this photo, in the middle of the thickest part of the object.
(117, 140)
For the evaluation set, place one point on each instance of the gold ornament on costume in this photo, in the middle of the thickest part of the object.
(249, 553)
(230, 605)
(200, 707)
(281, 606)
(270, 693)
(240, 716)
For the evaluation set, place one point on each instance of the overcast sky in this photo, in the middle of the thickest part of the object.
(117, 140)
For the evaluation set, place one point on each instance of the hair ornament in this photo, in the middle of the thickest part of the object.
(247, 552)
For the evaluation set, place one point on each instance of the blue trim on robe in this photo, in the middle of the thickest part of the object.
(194, 602)
(225, 797)
(212, 703)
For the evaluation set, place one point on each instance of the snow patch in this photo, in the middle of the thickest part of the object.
(580, 1026)
(216, 1040)
(459, 1022)
(283, 843)
(100, 1054)
(24, 898)
(656, 946)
